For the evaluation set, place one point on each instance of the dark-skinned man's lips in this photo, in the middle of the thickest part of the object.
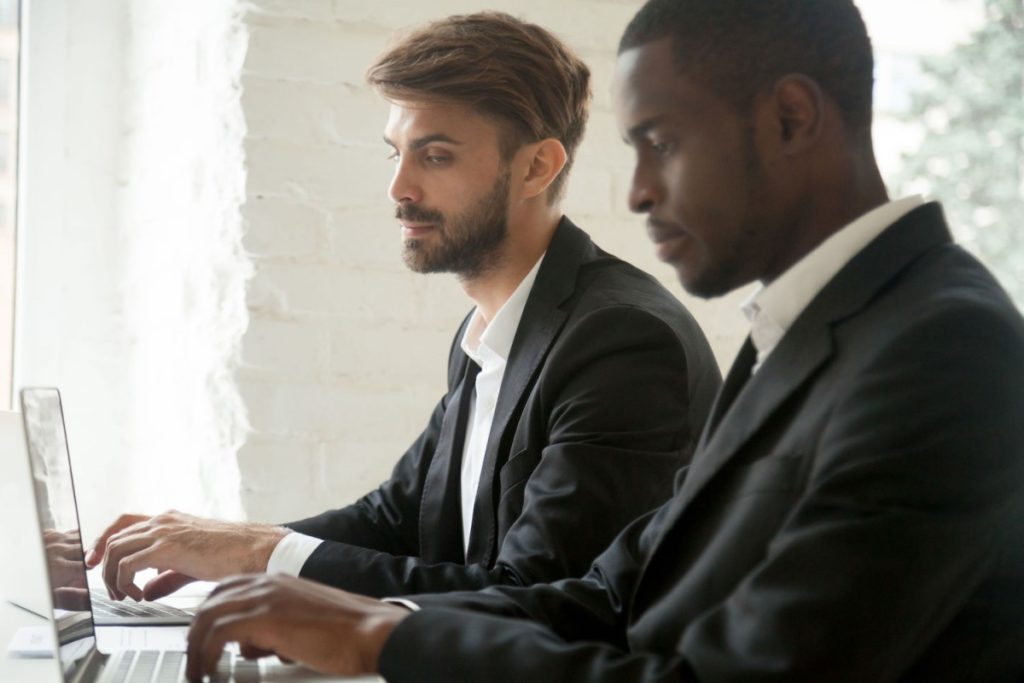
(670, 240)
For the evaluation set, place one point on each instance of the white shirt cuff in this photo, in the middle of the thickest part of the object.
(291, 552)
(408, 604)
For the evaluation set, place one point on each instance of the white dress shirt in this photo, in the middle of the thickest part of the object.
(772, 310)
(488, 345)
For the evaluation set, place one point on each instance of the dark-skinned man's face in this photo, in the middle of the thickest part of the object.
(697, 177)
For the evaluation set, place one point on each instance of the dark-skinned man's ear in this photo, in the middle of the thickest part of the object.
(800, 107)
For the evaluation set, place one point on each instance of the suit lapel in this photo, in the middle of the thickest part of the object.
(789, 366)
(805, 348)
(542, 319)
(808, 344)
(739, 374)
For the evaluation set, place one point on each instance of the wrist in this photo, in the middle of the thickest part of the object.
(264, 539)
(376, 628)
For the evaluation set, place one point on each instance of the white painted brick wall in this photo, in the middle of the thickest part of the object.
(345, 353)
(185, 272)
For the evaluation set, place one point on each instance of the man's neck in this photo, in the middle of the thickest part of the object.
(525, 245)
(830, 209)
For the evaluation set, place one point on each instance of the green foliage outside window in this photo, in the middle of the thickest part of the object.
(971, 106)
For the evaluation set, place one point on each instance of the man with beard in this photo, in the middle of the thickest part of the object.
(855, 508)
(576, 386)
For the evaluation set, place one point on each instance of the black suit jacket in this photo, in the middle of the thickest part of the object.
(855, 514)
(608, 383)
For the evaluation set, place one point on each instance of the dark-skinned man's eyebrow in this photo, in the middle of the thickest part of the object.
(641, 129)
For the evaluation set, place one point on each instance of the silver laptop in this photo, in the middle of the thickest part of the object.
(49, 458)
(70, 606)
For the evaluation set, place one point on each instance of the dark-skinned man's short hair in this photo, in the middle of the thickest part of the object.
(738, 48)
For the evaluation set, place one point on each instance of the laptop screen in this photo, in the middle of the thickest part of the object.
(50, 462)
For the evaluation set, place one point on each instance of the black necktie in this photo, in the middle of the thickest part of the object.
(739, 373)
(466, 395)
(441, 539)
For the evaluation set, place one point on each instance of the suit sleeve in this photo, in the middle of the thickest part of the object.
(616, 404)
(914, 498)
(572, 630)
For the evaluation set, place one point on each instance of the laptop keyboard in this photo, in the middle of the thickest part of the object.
(103, 606)
(149, 666)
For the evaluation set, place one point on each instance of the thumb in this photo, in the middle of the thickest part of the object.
(165, 583)
(93, 556)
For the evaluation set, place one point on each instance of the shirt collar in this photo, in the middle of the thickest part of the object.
(772, 309)
(484, 342)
